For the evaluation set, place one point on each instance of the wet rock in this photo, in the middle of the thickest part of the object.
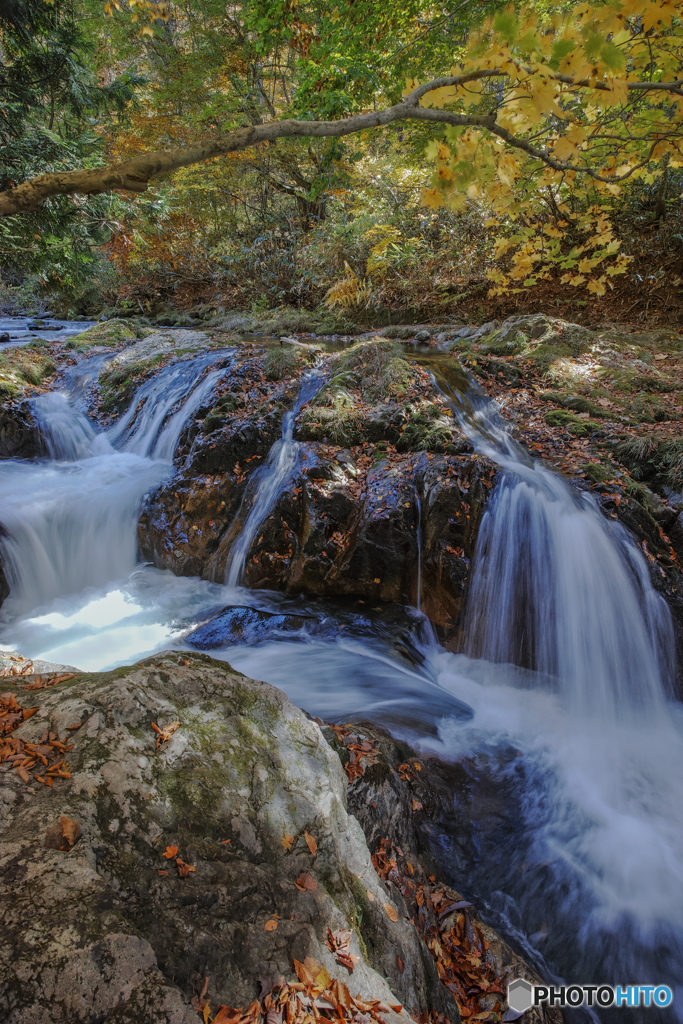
(404, 803)
(242, 625)
(325, 536)
(19, 433)
(4, 337)
(115, 929)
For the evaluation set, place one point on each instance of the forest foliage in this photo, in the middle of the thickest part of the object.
(546, 148)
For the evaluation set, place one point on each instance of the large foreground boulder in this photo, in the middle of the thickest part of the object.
(196, 829)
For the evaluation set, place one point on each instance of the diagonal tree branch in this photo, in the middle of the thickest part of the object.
(134, 175)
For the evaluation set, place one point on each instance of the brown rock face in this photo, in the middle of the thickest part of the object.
(383, 502)
(19, 433)
(350, 523)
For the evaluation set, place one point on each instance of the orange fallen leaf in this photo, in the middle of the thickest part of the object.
(371, 896)
(71, 830)
(228, 1015)
(164, 734)
(287, 841)
(391, 911)
(23, 774)
(169, 852)
(271, 925)
(311, 843)
(183, 868)
(396, 1009)
(376, 580)
(306, 882)
(417, 806)
(224, 841)
(164, 873)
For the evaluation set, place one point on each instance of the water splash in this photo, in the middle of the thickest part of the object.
(269, 482)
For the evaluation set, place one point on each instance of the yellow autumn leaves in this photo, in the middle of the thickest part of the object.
(578, 103)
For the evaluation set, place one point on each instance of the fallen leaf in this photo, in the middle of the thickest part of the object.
(396, 1009)
(273, 1016)
(371, 896)
(306, 883)
(376, 581)
(169, 852)
(224, 841)
(183, 868)
(400, 964)
(417, 806)
(23, 774)
(271, 925)
(287, 841)
(164, 734)
(339, 943)
(71, 830)
(227, 1015)
(164, 873)
(391, 911)
(311, 843)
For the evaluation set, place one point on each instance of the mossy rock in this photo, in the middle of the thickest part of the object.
(119, 381)
(571, 422)
(507, 341)
(597, 473)
(28, 365)
(111, 334)
(280, 363)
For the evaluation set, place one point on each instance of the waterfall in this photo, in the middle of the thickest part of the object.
(270, 481)
(152, 425)
(67, 434)
(71, 523)
(418, 599)
(556, 587)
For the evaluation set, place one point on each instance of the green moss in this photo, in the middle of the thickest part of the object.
(377, 367)
(111, 334)
(596, 473)
(20, 367)
(280, 363)
(571, 422)
(119, 381)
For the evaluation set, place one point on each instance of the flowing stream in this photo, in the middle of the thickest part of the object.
(560, 705)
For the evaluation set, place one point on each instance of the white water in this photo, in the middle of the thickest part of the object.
(269, 482)
(591, 874)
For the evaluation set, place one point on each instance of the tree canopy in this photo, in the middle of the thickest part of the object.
(549, 116)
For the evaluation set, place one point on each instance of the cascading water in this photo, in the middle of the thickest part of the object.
(152, 425)
(558, 708)
(270, 481)
(70, 524)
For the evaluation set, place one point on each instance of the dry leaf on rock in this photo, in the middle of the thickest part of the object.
(62, 836)
(164, 734)
(170, 852)
(271, 925)
(306, 882)
(184, 869)
(287, 842)
(400, 964)
(339, 943)
(71, 830)
(391, 911)
(226, 1015)
(311, 843)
